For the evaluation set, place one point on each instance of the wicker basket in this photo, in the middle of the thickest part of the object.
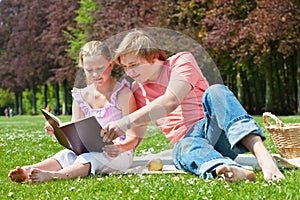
(286, 137)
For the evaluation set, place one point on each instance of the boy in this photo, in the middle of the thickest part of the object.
(207, 125)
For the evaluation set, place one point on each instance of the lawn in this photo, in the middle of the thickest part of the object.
(24, 142)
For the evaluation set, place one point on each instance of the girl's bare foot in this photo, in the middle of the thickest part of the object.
(19, 174)
(39, 176)
(234, 173)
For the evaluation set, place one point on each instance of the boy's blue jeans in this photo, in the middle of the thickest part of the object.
(215, 140)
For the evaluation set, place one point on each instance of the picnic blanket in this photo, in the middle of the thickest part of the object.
(247, 160)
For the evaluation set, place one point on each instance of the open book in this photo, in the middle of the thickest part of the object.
(81, 136)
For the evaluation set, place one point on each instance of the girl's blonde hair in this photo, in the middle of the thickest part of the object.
(94, 48)
(141, 44)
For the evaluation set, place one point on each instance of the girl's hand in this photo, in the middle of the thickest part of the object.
(48, 128)
(112, 150)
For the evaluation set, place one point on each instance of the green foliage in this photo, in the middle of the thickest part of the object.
(78, 36)
(27, 99)
(23, 142)
(241, 9)
(7, 98)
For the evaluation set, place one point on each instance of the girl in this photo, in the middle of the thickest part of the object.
(103, 97)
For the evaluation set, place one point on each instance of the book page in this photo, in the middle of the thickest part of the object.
(50, 116)
(55, 123)
(80, 136)
(84, 135)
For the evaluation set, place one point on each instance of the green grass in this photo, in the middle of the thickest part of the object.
(23, 142)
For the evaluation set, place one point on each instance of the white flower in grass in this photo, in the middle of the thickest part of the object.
(136, 191)
(278, 187)
(141, 176)
(161, 188)
(10, 194)
(176, 178)
(79, 179)
(100, 179)
(190, 181)
(72, 188)
(120, 192)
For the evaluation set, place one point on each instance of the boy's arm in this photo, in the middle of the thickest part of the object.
(132, 140)
(163, 105)
(127, 103)
(158, 108)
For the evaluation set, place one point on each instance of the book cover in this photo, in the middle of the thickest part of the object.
(81, 136)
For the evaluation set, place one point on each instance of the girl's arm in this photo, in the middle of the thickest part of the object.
(77, 113)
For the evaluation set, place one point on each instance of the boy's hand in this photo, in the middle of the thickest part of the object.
(49, 129)
(113, 130)
(112, 150)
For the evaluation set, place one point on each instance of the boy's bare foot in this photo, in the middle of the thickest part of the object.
(234, 173)
(266, 162)
(271, 171)
(19, 174)
(39, 176)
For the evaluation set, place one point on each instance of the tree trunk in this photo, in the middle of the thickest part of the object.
(65, 98)
(259, 91)
(279, 72)
(20, 100)
(45, 95)
(17, 103)
(34, 112)
(239, 86)
(269, 89)
(57, 106)
(298, 79)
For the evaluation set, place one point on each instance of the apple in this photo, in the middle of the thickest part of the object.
(155, 165)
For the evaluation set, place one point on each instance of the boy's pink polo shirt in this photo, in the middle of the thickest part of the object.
(176, 124)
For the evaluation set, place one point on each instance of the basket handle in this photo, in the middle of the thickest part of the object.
(279, 123)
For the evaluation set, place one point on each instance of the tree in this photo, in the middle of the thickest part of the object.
(22, 57)
(59, 19)
(35, 44)
(261, 33)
